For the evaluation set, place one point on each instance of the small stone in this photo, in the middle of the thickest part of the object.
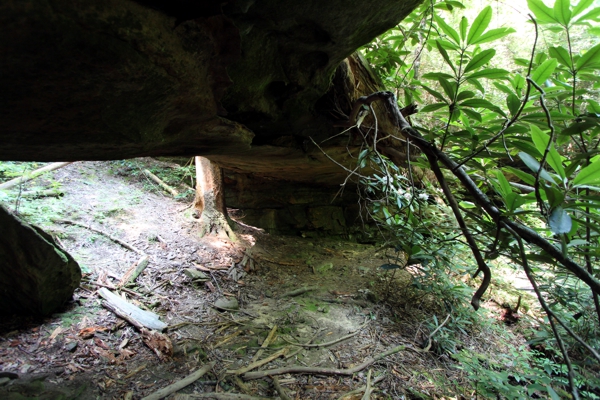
(4, 381)
(268, 293)
(227, 304)
(71, 346)
(195, 274)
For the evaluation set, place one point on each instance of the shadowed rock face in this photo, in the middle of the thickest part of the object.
(241, 82)
(37, 277)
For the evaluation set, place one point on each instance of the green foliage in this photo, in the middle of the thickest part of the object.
(528, 133)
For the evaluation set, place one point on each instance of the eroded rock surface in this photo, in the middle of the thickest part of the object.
(36, 276)
(248, 84)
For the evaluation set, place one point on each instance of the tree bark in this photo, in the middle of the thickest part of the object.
(210, 200)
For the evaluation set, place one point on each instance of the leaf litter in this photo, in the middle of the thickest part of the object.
(310, 308)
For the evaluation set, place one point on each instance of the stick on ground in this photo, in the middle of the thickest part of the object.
(164, 392)
(108, 235)
(322, 371)
(32, 175)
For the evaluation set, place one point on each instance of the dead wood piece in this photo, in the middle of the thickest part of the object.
(362, 388)
(298, 292)
(161, 183)
(132, 314)
(208, 268)
(164, 392)
(368, 388)
(308, 342)
(228, 339)
(322, 371)
(282, 393)
(265, 344)
(135, 270)
(259, 363)
(219, 396)
(327, 343)
(108, 235)
(43, 193)
(240, 383)
(135, 371)
(131, 292)
(32, 175)
(159, 343)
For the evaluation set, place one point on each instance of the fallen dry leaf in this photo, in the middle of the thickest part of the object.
(90, 331)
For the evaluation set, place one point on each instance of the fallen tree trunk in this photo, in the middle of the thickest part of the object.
(32, 175)
(161, 183)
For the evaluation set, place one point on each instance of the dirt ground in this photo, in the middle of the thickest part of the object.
(321, 293)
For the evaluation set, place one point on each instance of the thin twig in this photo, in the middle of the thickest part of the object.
(108, 235)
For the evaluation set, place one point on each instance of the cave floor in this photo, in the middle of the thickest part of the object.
(349, 309)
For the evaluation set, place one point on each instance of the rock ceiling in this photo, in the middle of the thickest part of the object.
(241, 82)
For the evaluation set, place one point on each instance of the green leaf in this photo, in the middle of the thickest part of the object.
(542, 12)
(436, 75)
(489, 73)
(477, 84)
(559, 221)
(505, 187)
(448, 45)
(463, 28)
(493, 34)
(465, 94)
(505, 89)
(591, 15)
(588, 175)
(518, 83)
(593, 106)
(581, 124)
(555, 197)
(543, 71)
(582, 6)
(590, 58)
(540, 139)
(447, 29)
(513, 201)
(562, 12)
(524, 176)
(449, 87)
(513, 103)
(480, 59)
(534, 165)
(433, 107)
(479, 25)
(444, 54)
(434, 93)
(562, 55)
(472, 114)
(481, 103)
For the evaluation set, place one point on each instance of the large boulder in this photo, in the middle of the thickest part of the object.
(36, 276)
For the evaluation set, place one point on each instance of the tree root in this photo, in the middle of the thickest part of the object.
(322, 371)
(327, 343)
(215, 223)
